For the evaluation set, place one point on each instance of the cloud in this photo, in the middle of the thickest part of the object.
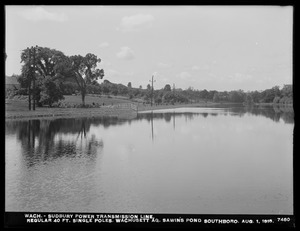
(204, 67)
(103, 45)
(125, 53)
(129, 23)
(40, 14)
(184, 75)
(195, 68)
(164, 65)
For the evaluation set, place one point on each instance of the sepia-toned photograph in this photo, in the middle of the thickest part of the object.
(159, 114)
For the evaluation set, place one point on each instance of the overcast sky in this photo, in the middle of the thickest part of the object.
(205, 47)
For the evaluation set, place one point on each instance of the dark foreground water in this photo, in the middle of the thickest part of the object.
(188, 160)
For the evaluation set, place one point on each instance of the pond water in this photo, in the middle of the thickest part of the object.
(232, 160)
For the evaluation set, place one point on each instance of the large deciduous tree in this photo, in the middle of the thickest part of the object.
(47, 61)
(83, 69)
(39, 63)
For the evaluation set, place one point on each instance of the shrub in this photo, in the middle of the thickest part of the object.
(51, 92)
(276, 99)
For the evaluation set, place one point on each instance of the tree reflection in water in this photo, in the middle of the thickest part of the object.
(274, 113)
(43, 140)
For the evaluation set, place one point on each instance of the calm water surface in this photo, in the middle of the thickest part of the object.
(186, 160)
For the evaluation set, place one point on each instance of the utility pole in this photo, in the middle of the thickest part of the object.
(152, 90)
(34, 90)
(29, 78)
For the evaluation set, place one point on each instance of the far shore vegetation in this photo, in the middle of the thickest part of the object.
(53, 84)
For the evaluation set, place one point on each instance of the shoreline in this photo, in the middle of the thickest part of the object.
(107, 111)
(55, 113)
(158, 107)
(273, 104)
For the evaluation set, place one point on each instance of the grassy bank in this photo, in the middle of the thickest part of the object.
(71, 113)
(17, 108)
(115, 106)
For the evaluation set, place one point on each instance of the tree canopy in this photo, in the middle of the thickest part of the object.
(51, 65)
(55, 74)
(84, 70)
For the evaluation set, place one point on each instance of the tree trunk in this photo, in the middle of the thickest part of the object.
(33, 95)
(83, 96)
(29, 98)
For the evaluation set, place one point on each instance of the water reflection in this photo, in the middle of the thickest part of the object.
(43, 140)
(274, 113)
(174, 121)
(152, 136)
(167, 116)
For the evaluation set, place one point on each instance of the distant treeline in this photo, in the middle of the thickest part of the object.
(167, 95)
(190, 95)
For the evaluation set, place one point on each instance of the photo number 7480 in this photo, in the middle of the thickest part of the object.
(283, 219)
